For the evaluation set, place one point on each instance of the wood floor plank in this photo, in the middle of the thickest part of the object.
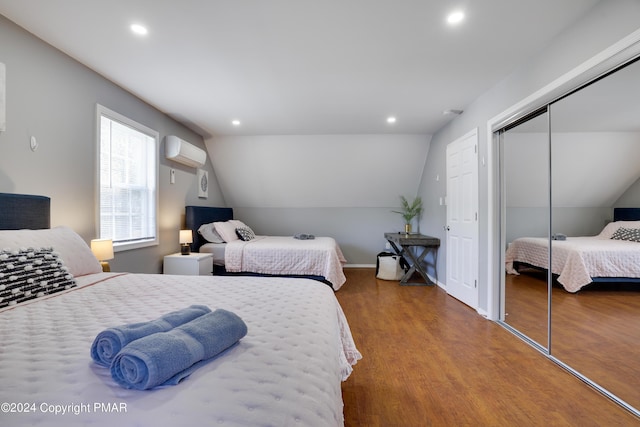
(595, 330)
(429, 360)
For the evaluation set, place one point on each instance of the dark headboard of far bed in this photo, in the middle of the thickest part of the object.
(20, 211)
(626, 214)
(195, 216)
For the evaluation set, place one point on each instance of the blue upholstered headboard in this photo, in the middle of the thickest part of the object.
(195, 216)
(626, 214)
(19, 211)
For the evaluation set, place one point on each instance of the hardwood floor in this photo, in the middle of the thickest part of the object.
(429, 360)
(595, 330)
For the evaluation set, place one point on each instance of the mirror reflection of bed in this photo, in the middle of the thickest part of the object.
(565, 171)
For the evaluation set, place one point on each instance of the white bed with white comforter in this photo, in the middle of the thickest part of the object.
(237, 249)
(286, 371)
(577, 261)
(280, 255)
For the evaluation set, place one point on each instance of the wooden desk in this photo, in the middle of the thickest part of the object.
(403, 243)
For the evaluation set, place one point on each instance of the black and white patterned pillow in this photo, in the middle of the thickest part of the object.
(245, 233)
(630, 234)
(31, 273)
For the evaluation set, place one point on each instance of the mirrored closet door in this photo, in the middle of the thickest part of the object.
(525, 154)
(565, 171)
(595, 157)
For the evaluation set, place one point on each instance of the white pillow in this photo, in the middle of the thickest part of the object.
(74, 252)
(226, 230)
(210, 234)
(612, 227)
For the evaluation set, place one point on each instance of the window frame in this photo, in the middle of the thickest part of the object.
(102, 111)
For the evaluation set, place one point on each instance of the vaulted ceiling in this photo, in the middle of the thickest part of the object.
(595, 146)
(300, 67)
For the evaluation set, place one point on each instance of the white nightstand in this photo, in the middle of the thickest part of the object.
(193, 264)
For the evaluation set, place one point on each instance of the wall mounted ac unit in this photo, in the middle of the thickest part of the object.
(181, 151)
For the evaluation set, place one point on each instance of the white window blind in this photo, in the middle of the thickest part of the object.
(128, 181)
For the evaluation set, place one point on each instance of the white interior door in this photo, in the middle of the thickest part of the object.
(462, 219)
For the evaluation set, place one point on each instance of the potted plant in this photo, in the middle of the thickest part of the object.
(409, 211)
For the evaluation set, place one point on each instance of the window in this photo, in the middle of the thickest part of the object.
(128, 181)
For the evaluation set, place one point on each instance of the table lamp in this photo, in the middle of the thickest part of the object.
(186, 237)
(103, 250)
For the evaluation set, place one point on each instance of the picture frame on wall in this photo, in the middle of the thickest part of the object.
(203, 183)
(3, 98)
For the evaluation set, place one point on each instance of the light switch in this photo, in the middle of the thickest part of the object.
(172, 176)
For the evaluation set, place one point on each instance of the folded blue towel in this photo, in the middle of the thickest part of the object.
(168, 357)
(109, 342)
(304, 236)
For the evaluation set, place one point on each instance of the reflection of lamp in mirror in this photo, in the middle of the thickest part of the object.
(186, 237)
(103, 250)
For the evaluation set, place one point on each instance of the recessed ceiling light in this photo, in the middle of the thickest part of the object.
(139, 29)
(235, 122)
(455, 17)
(391, 119)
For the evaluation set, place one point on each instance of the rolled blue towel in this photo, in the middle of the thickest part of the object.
(304, 236)
(168, 357)
(110, 341)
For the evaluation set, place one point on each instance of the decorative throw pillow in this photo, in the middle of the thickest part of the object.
(612, 227)
(31, 273)
(630, 234)
(208, 231)
(72, 249)
(245, 233)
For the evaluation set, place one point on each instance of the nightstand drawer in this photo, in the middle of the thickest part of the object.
(193, 264)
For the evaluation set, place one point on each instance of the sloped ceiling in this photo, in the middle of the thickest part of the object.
(300, 67)
(301, 171)
(595, 144)
(589, 169)
(325, 75)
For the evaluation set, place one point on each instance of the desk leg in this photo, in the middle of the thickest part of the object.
(416, 265)
(395, 248)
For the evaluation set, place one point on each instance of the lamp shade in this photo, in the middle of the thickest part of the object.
(102, 249)
(186, 236)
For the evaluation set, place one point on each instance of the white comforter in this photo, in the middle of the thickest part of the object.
(285, 255)
(578, 259)
(286, 371)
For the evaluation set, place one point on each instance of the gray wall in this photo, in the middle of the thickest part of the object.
(52, 97)
(584, 192)
(534, 222)
(343, 186)
(607, 23)
(631, 198)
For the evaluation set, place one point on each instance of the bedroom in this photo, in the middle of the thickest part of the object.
(52, 97)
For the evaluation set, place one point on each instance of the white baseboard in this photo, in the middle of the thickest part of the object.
(440, 284)
(359, 266)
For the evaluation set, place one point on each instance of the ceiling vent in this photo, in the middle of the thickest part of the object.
(181, 151)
